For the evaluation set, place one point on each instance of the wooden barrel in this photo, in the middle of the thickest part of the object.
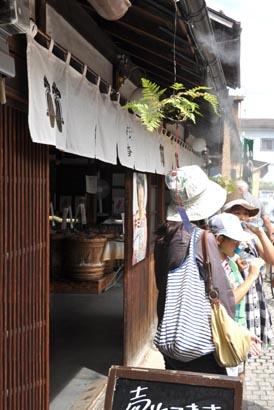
(83, 257)
(109, 266)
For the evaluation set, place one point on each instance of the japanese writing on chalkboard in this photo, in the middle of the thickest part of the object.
(140, 401)
(132, 388)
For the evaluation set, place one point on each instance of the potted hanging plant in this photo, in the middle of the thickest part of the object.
(178, 107)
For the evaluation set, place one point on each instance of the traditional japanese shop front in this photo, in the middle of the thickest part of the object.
(69, 151)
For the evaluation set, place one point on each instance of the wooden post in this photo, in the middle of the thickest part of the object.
(40, 14)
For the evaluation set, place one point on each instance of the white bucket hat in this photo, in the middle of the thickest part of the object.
(228, 225)
(191, 189)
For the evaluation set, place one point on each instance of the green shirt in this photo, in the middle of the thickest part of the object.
(235, 279)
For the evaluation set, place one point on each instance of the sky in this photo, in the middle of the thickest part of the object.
(257, 53)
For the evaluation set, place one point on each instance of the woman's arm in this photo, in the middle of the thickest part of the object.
(254, 271)
(268, 226)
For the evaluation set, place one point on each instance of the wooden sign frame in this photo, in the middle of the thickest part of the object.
(172, 376)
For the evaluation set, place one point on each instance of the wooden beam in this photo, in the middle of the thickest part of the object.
(155, 65)
(40, 14)
(152, 44)
(75, 15)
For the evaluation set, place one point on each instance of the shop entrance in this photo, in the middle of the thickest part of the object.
(86, 299)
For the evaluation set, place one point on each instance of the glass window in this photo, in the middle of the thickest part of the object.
(267, 144)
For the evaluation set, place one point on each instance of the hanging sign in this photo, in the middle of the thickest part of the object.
(62, 103)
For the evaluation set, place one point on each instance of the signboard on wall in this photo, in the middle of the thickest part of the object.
(139, 217)
(150, 389)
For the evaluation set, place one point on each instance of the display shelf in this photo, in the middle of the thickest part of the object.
(73, 286)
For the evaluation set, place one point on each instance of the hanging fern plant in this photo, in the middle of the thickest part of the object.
(179, 107)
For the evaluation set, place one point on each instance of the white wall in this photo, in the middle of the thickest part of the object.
(258, 154)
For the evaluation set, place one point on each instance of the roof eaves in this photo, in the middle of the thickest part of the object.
(203, 36)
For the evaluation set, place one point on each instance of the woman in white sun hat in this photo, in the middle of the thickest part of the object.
(193, 198)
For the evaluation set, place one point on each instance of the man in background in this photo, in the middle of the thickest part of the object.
(243, 188)
(270, 207)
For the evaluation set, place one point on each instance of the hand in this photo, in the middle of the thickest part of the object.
(254, 268)
(255, 338)
(258, 230)
(242, 264)
(255, 345)
(255, 349)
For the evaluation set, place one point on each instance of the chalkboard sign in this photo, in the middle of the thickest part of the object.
(131, 388)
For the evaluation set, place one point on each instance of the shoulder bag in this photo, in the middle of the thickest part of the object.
(231, 340)
(184, 333)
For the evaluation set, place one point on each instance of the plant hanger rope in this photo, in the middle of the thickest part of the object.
(175, 80)
(174, 42)
(185, 220)
(179, 106)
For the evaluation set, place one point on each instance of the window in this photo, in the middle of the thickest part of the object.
(267, 144)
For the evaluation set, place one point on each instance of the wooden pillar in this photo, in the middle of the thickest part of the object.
(226, 161)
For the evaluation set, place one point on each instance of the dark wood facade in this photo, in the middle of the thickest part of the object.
(139, 284)
(24, 258)
(24, 320)
(24, 315)
(24, 210)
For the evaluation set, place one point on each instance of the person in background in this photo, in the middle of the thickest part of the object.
(200, 198)
(229, 233)
(243, 188)
(270, 214)
(270, 208)
(258, 244)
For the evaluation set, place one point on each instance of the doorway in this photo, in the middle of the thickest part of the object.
(86, 327)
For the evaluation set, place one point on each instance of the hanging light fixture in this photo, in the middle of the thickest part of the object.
(197, 144)
(111, 9)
